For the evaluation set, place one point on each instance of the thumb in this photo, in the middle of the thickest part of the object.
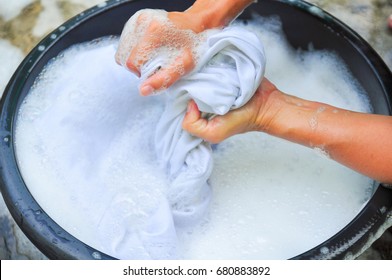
(200, 127)
(193, 122)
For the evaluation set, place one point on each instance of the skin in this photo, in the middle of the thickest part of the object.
(358, 140)
(204, 14)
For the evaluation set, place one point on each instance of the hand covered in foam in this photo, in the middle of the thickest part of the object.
(151, 33)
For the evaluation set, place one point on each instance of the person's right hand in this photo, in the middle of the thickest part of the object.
(256, 115)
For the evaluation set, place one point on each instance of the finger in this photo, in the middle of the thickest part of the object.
(214, 130)
(219, 128)
(193, 122)
(146, 45)
(167, 76)
(141, 53)
(131, 34)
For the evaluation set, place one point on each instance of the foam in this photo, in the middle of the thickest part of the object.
(84, 145)
(168, 46)
(84, 142)
(294, 184)
(301, 200)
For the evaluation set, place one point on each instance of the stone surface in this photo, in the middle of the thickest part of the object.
(369, 18)
(33, 19)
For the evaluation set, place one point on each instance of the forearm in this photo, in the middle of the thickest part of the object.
(217, 13)
(360, 141)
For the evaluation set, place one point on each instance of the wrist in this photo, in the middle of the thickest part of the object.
(209, 14)
(297, 120)
(206, 18)
(266, 108)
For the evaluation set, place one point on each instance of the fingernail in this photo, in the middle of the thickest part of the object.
(136, 73)
(146, 90)
(132, 68)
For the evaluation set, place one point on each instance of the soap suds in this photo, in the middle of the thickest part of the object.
(174, 43)
(89, 149)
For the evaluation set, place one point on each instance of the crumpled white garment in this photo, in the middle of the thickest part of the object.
(226, 76)
(156, 238)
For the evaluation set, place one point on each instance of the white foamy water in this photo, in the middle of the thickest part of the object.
(84, 142)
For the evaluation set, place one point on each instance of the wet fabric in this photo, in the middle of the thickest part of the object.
(226, 76)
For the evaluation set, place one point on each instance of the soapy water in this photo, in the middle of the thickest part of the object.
(84, 144)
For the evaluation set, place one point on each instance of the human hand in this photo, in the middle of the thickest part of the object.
(150, 32)
(256, 115)
(348, 137)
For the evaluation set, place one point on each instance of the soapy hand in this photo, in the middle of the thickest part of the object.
(150, 33)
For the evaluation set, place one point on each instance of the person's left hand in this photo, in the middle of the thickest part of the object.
(172, 32)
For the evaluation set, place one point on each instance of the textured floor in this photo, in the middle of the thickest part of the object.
(23, 23)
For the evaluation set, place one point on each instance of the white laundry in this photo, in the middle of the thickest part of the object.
(226, 76)
(86, 151)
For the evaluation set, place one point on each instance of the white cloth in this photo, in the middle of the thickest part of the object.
(226, 76)
(156, 238)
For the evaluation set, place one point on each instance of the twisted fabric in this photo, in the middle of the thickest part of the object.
(226, 76)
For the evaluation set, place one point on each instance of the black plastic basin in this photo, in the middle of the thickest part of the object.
(303, 23)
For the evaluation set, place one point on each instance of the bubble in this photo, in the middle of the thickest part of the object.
(383, 210)
(321, 151)
(96, 255)
(313, 122)
(169, 46)
(96, 136)
(316, 11)
(320, 109)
